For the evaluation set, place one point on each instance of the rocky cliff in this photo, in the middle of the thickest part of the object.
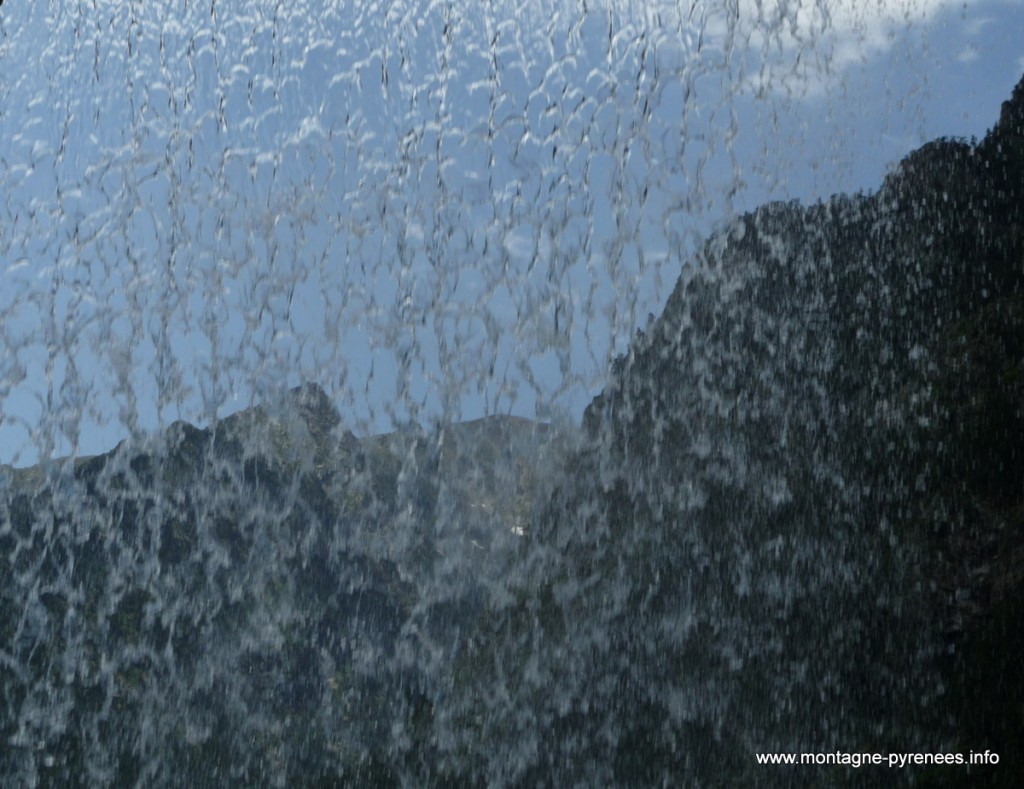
(266, 601)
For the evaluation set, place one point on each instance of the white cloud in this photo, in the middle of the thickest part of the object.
(786, 22)
(974, 27)
(802, 46)
(837, 32)
(968, 55)
(804, 22)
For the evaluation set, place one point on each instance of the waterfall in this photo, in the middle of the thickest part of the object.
(511, 394)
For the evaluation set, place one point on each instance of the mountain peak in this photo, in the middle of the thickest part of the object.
(315, 407)
(1011, 116)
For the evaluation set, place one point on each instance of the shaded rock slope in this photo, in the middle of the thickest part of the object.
(794, 522)
(265, 602)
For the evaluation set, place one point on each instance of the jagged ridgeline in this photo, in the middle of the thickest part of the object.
(794, 521)
(268, 601)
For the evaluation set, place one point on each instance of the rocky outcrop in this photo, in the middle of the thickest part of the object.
(259, 602)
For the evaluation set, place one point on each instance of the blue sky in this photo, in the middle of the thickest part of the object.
(434, 210)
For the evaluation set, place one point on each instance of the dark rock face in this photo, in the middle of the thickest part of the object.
(795, 523)
(196, 604)
(1011, 118)
(248, 604)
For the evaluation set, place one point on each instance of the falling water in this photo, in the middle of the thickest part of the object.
(436, 393)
